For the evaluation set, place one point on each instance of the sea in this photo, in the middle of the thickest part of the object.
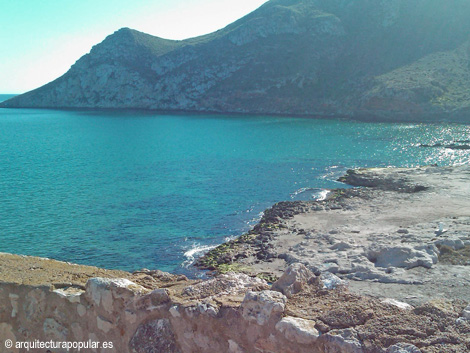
(131, 189)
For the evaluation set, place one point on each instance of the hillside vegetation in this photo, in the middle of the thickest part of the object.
(368, 59)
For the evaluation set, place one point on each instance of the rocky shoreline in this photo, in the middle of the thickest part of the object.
(381, 268)
(382, 236)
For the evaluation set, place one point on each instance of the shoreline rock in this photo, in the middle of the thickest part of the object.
(381, 233)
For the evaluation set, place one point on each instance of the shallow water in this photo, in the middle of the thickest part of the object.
(128, 190)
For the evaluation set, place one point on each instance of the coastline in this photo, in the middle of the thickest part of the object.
(380, 236)
(352, 233)
(308, 308)
(366, 117)
(147, 152)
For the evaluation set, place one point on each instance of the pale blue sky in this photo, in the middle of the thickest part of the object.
(41, 39)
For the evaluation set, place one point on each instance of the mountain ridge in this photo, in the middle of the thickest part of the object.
(376, 60)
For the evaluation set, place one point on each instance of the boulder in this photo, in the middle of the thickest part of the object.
(153, 300)
(298, 330)
(367, 271)
(331, 281)
(454, 243)
(342, 341)
(404, 256)
(259, 307)
(103, 291)
(293, 279)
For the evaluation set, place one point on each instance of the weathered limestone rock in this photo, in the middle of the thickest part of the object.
(153, 299)
(454, 243)
(343, 341)
(331, 281)
(341, 246)
(398, 304)
(404, 257)
(293, 279)
(99, 291)
(154, 337)
(71, 294)
(192, 311)
(259, 307)
(367, 271)
(403, 348)
(208, 309)
(298, 330)
(230, 283)
(102, 291)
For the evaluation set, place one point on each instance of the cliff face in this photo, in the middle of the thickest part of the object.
(395, 59)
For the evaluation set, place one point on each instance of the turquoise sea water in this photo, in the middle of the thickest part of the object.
(131, 189)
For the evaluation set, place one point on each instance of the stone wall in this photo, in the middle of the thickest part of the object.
(230, 313)
(233, 313)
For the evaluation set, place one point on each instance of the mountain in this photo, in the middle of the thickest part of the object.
(367, 59)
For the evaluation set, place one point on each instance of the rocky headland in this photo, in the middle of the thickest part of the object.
(390, 60)
(379, 268)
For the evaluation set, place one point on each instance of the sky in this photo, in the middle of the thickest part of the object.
(40, 40)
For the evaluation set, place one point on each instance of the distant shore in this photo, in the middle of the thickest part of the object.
(383, 237)
(370, 117)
